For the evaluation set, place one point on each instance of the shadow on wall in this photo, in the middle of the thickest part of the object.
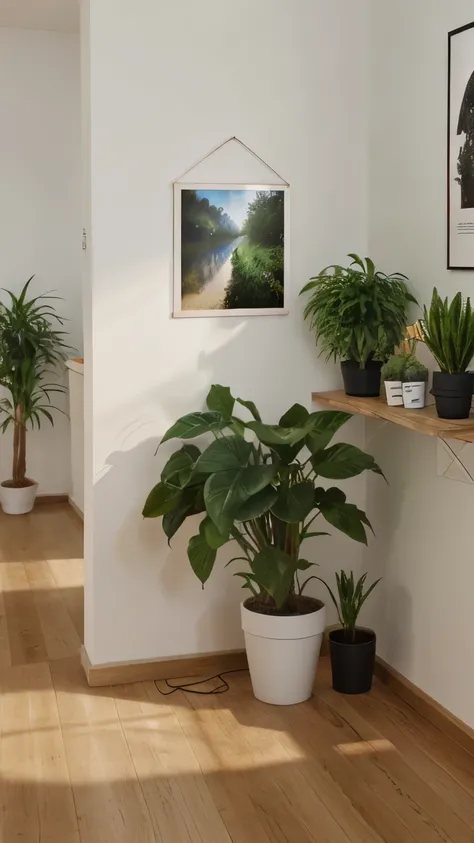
(154, 586)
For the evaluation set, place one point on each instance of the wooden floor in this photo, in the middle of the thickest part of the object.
(127, 765)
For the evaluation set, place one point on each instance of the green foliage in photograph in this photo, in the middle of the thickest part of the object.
(257, 277)
(357, 313)
(258, 262)
(415, 372)
(258, 486)
(31, 348)
(449, 332)
(350, 599)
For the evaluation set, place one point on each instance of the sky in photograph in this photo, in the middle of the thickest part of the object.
(234, 202)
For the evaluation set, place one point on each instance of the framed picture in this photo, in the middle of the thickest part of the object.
(231, 249)
(461, 148)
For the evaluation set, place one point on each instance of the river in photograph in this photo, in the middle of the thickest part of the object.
(208, 271)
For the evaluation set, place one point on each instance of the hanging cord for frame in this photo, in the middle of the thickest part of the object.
(224, 143)
(190, 687)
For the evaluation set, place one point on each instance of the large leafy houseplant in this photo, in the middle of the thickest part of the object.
(448, 330)
(259, 486)
(31, 347)
(358, 315)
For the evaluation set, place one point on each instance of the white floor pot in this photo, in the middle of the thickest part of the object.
(414, 395)
(283, 653)
(394, 393)
(18, 501)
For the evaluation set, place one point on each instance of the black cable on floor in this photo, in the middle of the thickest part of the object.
(189, 687)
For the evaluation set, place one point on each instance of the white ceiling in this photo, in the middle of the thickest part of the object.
(60, 15)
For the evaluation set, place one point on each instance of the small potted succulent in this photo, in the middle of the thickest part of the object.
(352, 648)
(415, 376)
(392, 376)
(359, 316)
(449, 334)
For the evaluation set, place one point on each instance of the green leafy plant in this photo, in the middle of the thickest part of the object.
(449, 332)
(257, 485)
(30, 349)
(415, 371)
(357, 313)
(394, 368)
(351, 598)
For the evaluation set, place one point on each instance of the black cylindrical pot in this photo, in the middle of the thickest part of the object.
(352, 662)
(453, 394)
(363, 383)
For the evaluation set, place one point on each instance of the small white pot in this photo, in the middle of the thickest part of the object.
(394, 393)
(283, 654)
(18, 501)
(414, 395)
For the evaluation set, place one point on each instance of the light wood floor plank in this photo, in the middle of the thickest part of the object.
(27, 644)
(108, 797)
(36, 797)
(176, 793)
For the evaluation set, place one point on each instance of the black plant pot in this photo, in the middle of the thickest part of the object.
(362, 383)
(352, 663)
(453, 394)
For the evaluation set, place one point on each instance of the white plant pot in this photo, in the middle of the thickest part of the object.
(283, 654)
(18, 501)
(414, 395)
(394, 393)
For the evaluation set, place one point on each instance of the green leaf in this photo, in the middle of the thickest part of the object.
(226, 491)
(220, 400)
(162, 499)
(257, 505)
(226, 453)
(325, 497)
(342, 461)
(213, 537)
(304, 565)
(192, 425)
(179, 467)
(296, 416)
(294, 503)
(274, 435)
(201, 557)
(237, 426)
(347, 518)
(250, 406)
(173, 519)
(323, 426)
(274, 571)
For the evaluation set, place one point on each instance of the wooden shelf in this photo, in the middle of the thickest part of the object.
(422, 421)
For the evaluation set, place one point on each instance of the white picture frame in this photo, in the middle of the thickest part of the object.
(220, 257)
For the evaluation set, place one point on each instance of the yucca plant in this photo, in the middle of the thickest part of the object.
(357, 313)
(31, 347)
(449, 332)
(351, 598)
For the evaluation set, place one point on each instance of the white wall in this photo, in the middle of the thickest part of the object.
(425, 544)
(40, 202)
(168, 82)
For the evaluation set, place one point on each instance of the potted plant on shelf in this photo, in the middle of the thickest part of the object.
(448, 331)
(352, 648)
(30, 349)
(415, 376)
(263, 495)
(392, 377)
(358, 315)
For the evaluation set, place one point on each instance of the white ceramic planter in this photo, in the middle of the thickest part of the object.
(18, 501)
(394, 393)
(283, 654)
(414, 395)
